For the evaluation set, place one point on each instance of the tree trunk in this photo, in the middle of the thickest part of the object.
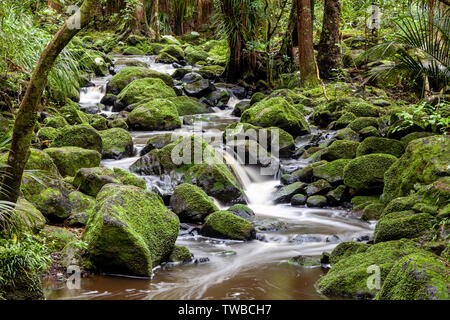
(27, 115)
(329, 58)
(290, 39)
(156, 21)
(308, 74)
(140, 26)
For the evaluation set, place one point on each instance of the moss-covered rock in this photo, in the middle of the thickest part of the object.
(349, 275)
(405, 224)
(70, 159)
(367, 172)
(347, 134)
(127, 75)
(72, 114)
(400, 204)
(174, 51)
(195, 55)
(343, 121)
(117, 144)
(340, 149)
(337, 195)
(118, 123)
(98, 122)
(180, 254)
(373, 211)
(53, 204)
(82, 136)
(320, 186)
(38, 160)
(56, 238)
(188, 105)
(316, 201)
(415, 135)
(157, 114)
(304, 174)
(369, 132)
(91, 180)
(212, 175)
(424, 161)
(147, 88)
(224, 224)
(346, 249)
(363, 122)
(418, 276)
(164, 57)
(55, 122)
(27, 217)
(241, 210)
(132, 51)
(333, 171)
(380, 145)
(191, 203)
(131, 231)
(285, 194)
(279, 113)
(211, 72)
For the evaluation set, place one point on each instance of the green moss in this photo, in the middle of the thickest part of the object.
(80, 202)
(98, 122)
(180, 254)
(38, 160)
(405, 224)
(423, 162)
(188, 105)
(82, 136)
(373, 211)
(418, 276)
(363, 122)
(400, 204)
(316, 201)
(380, 145)
(346, 249)
(279, 113)
(347, 134)
(117, 143)
(369, 132)
(127, 75)
(147, 88)
(56, 237)
(118, 123)
(191, 203)
(70, 159)
(73, 115)
(131, 231)
(343, 121)
(174, 51)
(210, 72)
(257, 97)
(158, 114)
(224, 224)
(348, 276)
(132, 51)
(195, 55)
(55, 122)
(164, 57)
(415, 135)
(340, 149)
(333, 171)
(27, 217)
(367, 172)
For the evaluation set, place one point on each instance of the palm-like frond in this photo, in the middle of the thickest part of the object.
(420, 48)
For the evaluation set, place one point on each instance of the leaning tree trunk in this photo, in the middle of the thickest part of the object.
(308, 74)
(329, 58)
(156, 21)
(27, 115)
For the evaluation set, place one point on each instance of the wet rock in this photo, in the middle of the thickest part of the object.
(316, 201)
(240, 107)
(338, 195)
(117, 144)
(191, 77)
(82, 136)
(380, 145)
(218, 97)
(224, 224)
(199, 88)
(156, 142)
(242, 211)
(157, 114)
(305, 238)
(305, 261)
(318, 187)
(70, 159)
(298, 199)
(285, 194)
(180, 254)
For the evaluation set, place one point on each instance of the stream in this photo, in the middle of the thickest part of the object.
(257, 269)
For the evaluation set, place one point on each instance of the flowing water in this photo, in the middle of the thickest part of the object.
(258, 269)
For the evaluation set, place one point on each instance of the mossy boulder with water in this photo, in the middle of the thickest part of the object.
(188, 105)
(380, 145)
(340, 149)
(241, 210)
(72, 114)
(91, 180)
(195, 55)
(367, 172)
(178, 157)
(284, 194)
(349, 275)
(132, 51)
(131, 231)
(82, 136)
(224, 224)
(418, 276)
(424, 161)
(373, 211)
(363, 122)
(38, 160)
(180, 254)
(174, 51)
(127, 75)
(333, 171)
(70, 159)
(117, 143)
(277, 112)
(164, 57)
(157, 114)
(55, 122)
(147, 88)
(405, 224)
(191, 203)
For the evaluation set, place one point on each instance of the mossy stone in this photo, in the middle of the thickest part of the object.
(333, 171)
(127, 75)
(70, 159)
(82, 136)
(180, 254)
(158, 114)
(340, 149)
(117, 143)
(380, 145)
(224, 224)
(147, 88)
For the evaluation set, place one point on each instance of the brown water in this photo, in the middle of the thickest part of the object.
(257, 269)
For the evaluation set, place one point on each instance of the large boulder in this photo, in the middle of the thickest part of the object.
(27, 217)
(175, 51)
(91, 180)
(367, 172)
(380, 145)
(349, 274)
(38, 160)
(82, 136)
(340, 149)
(285, 193)
(141, 89)
(188, 105)
(198, 88)
(131, 231)
(70, 159)
(72, 114)
(157, 114)
(405, 224)
(195, 162)
(224, 224)
(191, 203)
(333, 171)
(424, 161)
(117, 144)
(127, 75)
(277, 112)
(418, 276)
